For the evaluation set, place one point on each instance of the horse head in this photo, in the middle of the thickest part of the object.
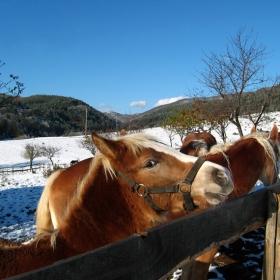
(197, 143)
(149, 163)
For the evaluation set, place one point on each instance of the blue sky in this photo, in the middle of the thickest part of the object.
(125, 55)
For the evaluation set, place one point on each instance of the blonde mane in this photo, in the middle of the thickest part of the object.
(221, 148)
(200, 144)
(263, 139)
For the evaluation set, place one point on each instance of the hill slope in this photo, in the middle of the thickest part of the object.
(50, 115)
(151, 118)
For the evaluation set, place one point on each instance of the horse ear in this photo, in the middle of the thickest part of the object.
(123, 132)
(253, 129)
(273, 135)
(107, 147)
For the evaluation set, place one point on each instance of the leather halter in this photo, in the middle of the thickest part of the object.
(189, 206)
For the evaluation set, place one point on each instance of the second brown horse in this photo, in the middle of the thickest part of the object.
(251, 158)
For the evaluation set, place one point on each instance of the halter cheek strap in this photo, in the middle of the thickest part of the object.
(188, 205)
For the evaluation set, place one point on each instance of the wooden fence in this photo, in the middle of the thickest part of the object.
(157, 252)
(26, 168)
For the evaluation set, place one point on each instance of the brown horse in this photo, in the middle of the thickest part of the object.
(197, 143)
(61, 186)
(108, 204)
(251, 158)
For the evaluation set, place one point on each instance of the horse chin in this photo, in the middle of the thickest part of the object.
(215, 198)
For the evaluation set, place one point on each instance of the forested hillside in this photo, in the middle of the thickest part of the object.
(151, 118)
(50, 115)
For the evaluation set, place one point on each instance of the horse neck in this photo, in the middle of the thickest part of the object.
(23, 258)
(109, 211)
(245, 159)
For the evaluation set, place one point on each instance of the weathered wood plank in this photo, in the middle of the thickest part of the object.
(277, 241)
(271, 253)
(165, 246)
(230, 240)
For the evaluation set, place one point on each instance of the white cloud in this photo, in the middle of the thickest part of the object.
(139, 104)
(105, 107)
(168, 100)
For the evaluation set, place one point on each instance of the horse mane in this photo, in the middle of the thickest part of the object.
(261, 138)
(52, 233)
(200, 144)
(221, 148)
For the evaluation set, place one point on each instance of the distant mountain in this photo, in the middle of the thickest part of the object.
(152, 117)
(50, 115)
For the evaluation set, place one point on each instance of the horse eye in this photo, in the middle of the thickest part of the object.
(150, 164)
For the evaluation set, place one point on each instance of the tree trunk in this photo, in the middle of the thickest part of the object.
(234, 118)
(223, 133)
(31, 168)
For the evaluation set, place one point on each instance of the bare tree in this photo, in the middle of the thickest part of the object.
(31, 151)
(10, 89)
(176, 122)
(50, 152)
(236, 72)
(256, 104)
(210, 114)
(86, 143)
(171, 132)
(184, 121)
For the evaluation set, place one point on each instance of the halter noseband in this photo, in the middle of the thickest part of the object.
(189, 206)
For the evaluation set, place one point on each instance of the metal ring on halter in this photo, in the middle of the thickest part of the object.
(145, 190)
(183, 185)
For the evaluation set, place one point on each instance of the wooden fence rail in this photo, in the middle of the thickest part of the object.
(26, 168)
(159, 251)
(20, 169)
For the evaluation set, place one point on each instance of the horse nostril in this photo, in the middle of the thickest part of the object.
(222, 177)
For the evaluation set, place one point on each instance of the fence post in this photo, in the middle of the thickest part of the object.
(271, 259)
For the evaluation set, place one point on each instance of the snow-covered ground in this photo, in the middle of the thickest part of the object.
(20, 192)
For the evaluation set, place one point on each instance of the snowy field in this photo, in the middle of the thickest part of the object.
(20, 192)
